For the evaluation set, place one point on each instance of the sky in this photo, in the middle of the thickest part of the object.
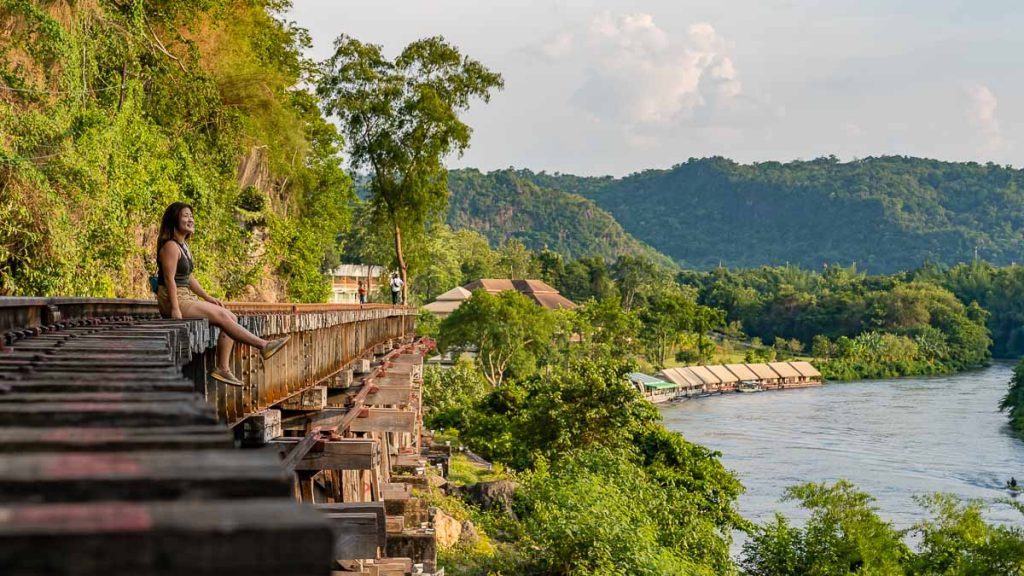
(596, 87)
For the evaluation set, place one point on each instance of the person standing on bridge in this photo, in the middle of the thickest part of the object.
(180, 296)
(396, 288)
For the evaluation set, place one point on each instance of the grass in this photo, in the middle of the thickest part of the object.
(463, 472)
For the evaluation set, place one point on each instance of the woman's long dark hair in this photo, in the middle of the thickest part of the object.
(168, 224)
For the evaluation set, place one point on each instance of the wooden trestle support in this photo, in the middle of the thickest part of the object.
(120, 457)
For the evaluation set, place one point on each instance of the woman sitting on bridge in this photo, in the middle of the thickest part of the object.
(180, 295)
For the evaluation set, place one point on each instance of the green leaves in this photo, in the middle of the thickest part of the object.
(845, 536)
(509, 331)
(401, 119)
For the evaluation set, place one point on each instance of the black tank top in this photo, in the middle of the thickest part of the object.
(184, 269)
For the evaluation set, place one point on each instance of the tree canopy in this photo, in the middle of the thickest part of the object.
(401, 118)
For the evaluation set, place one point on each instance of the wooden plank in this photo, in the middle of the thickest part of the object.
(107, 414)
(361, 366)
(65, 382)
(396, 491)
(393, 379)
(312, 399)
(165, 538)
(262, 427)
(329, 418)
(361, 508)
(389, 395)
(92, 396)
(385, 420)
(134, 476)
(345, 454)
(357, 535)
(395, 524)
(342, 379)
(113, 439)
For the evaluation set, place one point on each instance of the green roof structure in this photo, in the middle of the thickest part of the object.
(650, 381)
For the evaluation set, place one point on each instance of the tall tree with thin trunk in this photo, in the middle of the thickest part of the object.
(401, 120)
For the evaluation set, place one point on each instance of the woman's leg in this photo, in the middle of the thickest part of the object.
(231, 331)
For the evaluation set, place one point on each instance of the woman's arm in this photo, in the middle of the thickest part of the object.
(169, 254)
(194, 285)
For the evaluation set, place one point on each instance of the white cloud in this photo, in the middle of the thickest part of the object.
(851, 129)
(644, 78)
(981, 112)
(558, 46)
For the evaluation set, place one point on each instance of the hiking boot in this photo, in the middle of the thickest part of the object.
(226, 376)
(273, 346)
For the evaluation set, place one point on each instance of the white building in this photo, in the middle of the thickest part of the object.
(345, 282)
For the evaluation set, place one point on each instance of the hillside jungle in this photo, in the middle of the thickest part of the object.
(111, 110)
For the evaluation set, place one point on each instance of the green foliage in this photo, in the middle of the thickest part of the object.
(669, 314)
(844, 536)
(857, 326)
(605, 488)
(1013, 402)
(509, 331)
(604, 328)
(447, 393)
(586, 403)
(401, 117)
(506, 204)
(958, 541)
(999, 291)
(597, 512)
(124, 108)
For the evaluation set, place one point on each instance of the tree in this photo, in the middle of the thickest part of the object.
(843, 535)
(401, 120)
(508, 329)
(515, 260)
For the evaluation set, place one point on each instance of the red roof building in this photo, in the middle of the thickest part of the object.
(538, 291)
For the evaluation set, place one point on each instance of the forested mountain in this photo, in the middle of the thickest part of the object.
(884, 214)
(504, 204)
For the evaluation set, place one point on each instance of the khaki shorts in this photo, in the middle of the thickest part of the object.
(187, 300)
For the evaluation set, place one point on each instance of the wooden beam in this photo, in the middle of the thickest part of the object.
(389, 395)
(395, 524)
(67, 477)
(393, 379)
(384, 420)
(107, 414)
(312, 399)
(14, 440)
(361, 508)
(262, 427)
(396, 491)
(346, 454)
(328, 418)
(356, 535)
(265, 537)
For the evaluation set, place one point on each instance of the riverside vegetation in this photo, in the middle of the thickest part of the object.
(111, 110)
(604, 488)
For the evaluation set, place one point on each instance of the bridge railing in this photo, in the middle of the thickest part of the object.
(325, 340)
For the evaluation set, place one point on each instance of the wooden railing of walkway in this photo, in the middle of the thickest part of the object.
(117, 459)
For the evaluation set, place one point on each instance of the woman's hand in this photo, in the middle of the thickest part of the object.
(215, 302)
(176, 313)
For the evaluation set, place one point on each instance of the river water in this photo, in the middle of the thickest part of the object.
(892, 438)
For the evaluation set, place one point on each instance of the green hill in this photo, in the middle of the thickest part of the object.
(884, 214)
(503, 205)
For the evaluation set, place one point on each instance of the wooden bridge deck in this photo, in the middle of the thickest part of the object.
(116, 455)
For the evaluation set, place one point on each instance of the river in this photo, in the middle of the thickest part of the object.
(892, 438)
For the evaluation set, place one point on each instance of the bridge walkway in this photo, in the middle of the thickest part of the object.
(117, 456)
